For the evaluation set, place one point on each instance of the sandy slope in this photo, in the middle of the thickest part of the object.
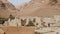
(39, 8)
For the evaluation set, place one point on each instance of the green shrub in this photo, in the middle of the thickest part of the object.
(3, 19)
(30, 24)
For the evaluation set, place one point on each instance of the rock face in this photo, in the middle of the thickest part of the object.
(6, 8)
(41, 8)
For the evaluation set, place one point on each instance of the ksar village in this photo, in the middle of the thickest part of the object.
(29, 16)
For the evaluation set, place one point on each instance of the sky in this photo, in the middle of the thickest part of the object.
(18, 2)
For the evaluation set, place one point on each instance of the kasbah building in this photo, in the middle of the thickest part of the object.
(35, 17)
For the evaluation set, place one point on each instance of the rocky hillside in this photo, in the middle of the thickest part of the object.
(41, 8)
(33, 8)
(7, 9)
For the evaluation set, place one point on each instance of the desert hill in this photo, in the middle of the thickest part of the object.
(41, 8)
(33, 8)
(7, 9)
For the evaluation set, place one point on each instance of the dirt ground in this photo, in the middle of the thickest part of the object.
(17, 30)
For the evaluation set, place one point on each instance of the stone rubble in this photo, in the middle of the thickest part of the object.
(39, 20)
(45, 25)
